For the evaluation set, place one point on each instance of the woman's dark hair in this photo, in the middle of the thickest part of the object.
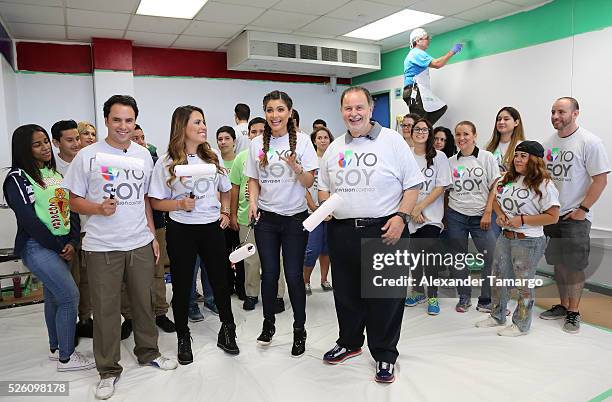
(430, 151)
(227, 129)
(313, 135)
(21, 151)
(283, 97)
(450, 148)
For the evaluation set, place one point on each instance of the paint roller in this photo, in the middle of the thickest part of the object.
(109, 162)
(324, 210)
(200, 170)
(244, 250)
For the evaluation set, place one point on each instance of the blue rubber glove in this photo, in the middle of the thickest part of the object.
(457, 48)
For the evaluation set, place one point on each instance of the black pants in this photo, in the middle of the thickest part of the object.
(381, 318)
(235, 277)
(271, 232)
(184, 242)
(416, 105)
(427, 242)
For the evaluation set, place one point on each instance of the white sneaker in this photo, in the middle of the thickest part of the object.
(511, 330)
(488, 323)
(106, 388)
(54, 356)
(164, 363)
(77, 362)
(308, 289)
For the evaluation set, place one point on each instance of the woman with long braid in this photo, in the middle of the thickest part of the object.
(280, 168)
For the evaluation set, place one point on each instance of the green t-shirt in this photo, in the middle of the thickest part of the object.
(229, 164)
(52, 202)
(238, 178)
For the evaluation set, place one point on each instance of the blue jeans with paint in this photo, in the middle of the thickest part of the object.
(60, 292)
(516, 259)
(317, 245)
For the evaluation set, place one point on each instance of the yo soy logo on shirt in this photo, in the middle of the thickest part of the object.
(513, 199)
(200, 188)
(470, 179)
(127, 184)
(429, 174)
(277, 169)
(356, 169)
(559, 163)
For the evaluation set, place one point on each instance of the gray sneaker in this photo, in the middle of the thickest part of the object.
(556, 312)
(572, 322)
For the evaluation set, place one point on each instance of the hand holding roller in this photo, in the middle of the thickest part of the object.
(244, 249)
(326, 209)
(201, 170)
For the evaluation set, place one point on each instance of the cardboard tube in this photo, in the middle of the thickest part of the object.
(242, 253)
(322, 212)
(119, 162)
(198, 170)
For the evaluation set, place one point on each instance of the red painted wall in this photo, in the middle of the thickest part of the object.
(54, 58)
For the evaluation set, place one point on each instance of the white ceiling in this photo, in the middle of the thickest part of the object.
(220, 21)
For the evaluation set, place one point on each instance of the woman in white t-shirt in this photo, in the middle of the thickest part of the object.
(280, 168)
(507, 133)
(196, 219)
(473, 173)
(526, 200)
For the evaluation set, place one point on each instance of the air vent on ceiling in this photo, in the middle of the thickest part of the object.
(286, 50)
(349, 56)
(329, 54)
(308, 52)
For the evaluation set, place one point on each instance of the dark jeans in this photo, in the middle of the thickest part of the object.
(429, 243)
(184, 243)
(271, 232)
(416, 106)
(459, 228)
(235, 277)
(381, 318)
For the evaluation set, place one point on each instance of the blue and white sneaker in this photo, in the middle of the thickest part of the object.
(414, 299)
(433, 307)
(384, 372)
(164, 363)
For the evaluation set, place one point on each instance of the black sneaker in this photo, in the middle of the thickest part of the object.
(185, 356)
(126, 329)
(280, 305)
(85, 328)
(556, 312)
(572, 322)
(249, 303)
(267, 332)
(338, 354)
(165, 324)
(299, 342)
(227, 339)
(384, 372)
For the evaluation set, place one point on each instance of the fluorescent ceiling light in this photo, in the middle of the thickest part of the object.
(401, 21)
(186, 9)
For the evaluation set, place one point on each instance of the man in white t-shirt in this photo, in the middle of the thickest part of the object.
(119, 243)
(579, 166)
(242, 112)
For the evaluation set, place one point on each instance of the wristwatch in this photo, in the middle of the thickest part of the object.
(585, 209)
(405, 217)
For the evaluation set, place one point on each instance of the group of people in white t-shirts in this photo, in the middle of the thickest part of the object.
(508, 198)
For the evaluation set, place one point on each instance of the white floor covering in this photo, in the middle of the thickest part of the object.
(443, 358)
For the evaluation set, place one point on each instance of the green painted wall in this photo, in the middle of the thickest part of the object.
(556, 20)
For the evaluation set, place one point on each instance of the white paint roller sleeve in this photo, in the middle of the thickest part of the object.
(322, 212)
(119, 162)
(242, 253)
(199, 170)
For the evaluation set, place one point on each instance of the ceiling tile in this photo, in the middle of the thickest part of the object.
(95, 19)
(32, 14)
(275, 19)
(85, 34)
(252, 3)
(228, 13)
(198, 42)
(488, 11)
(330, 26)
(318, 7)
(445, 25)
(157, 24)
(213, 30)
(150, 39)
(364, 11)
(117, 6)
(37, 31)
(445, 7)
(401, 3)
(49, 3)
(264, 29)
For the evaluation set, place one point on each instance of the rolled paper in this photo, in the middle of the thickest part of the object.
(242, 253)
(119, 162)
(198, 170)
(326, 209)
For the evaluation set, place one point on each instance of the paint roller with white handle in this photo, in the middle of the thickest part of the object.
(198, 170)
(242, 253)
(322, 212)
(119, 162)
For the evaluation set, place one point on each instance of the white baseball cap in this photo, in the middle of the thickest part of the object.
(417, 34)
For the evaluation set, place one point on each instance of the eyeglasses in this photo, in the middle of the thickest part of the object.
(406, 125)
(420, 130)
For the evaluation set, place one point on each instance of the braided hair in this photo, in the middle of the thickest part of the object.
(291, 126)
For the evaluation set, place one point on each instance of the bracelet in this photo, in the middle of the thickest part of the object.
(226, 213)
(522, 220)
(301, 172)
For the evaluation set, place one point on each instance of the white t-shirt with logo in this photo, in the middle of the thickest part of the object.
(499, 153)
(437, 175)
(127, 228)
(280, 191)
(242, 137)
(471, 179)
(207, 206)
(369, 175)
(572, 161)
(517, 199)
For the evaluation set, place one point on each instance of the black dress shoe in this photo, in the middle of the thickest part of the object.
(249, 303)
(126, 329)
(85, 328)
(165, 324)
